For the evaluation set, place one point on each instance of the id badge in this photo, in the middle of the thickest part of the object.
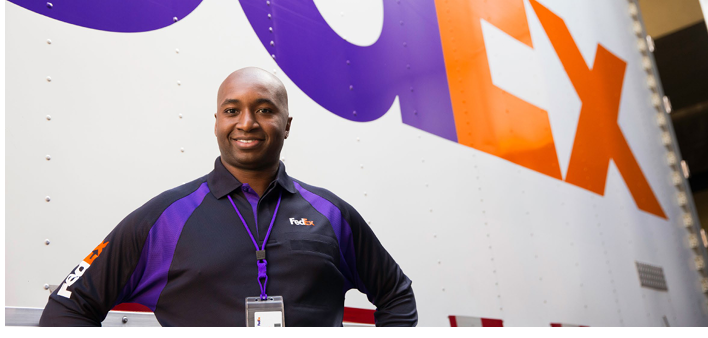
(265, 313)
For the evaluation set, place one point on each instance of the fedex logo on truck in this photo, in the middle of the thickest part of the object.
(431, 54)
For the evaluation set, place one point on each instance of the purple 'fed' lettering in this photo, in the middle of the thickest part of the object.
(361, 83)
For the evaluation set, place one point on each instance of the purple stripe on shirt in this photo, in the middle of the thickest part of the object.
(150, 275)
(347, 262)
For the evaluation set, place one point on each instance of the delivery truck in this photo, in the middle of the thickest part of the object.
(515, 157)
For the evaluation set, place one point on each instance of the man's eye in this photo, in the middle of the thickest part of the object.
(230, 111)
(265, 110)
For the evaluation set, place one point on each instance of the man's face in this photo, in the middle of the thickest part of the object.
(251, 121)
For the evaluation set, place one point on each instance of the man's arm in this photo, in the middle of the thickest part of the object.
(95, 285)
(129, 265)
(380, 277)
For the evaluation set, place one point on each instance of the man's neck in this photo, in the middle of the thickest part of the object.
(258, 180)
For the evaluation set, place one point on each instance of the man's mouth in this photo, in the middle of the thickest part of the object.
(247, 142)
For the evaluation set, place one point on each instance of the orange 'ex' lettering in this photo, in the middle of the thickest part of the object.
(95, 253)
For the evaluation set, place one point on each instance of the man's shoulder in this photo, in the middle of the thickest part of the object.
(153, 208)
(183, 190)
(313, 193)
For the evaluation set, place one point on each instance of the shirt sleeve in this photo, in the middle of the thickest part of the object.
(380, 277)
(95, 285)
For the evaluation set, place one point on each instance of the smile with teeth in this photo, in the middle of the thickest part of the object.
(247, 143)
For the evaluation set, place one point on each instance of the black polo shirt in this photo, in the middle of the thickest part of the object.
(186, 255)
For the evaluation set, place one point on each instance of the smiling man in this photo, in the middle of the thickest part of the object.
(252, 122)
(244, 245)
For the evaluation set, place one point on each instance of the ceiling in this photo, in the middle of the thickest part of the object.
(662, 17)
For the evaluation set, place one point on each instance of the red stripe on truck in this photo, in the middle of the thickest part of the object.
(357, 315)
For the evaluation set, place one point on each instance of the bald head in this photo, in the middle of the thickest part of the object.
(253, 76)
(252, 122)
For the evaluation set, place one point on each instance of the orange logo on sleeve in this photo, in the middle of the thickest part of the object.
(95, 253)
(80, 270)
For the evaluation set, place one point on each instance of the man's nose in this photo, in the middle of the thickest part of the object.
(247, 120)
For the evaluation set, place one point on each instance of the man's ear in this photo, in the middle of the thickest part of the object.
(287, 127)
(214, 124)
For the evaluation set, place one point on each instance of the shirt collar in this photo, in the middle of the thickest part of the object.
(222, 183)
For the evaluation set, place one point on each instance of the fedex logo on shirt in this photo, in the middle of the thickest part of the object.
(80, 270)
(302, 221)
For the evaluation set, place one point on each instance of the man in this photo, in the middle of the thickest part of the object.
(194, 253)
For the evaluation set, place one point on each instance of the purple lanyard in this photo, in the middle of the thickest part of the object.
(260, 254)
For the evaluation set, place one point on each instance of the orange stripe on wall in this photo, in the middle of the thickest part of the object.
(486, 117)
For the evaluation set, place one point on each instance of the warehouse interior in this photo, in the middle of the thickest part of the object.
(680, 35)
